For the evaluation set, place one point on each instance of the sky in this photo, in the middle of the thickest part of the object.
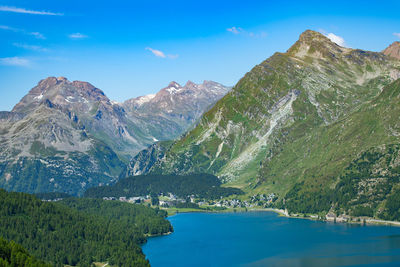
(134, 48)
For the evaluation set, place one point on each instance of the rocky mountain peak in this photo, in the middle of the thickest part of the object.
(393, 50)
(315, 44)
(310, 36)
(62, 92)
(174, 84)
(190, 84)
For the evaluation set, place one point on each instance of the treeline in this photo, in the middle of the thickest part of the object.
(79, 232)
(205, 186)
(13, 254)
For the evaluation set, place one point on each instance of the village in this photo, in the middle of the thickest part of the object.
(170, 200)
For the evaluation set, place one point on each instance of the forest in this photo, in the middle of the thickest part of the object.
(78, 232)
(13, 254)
(205, 186)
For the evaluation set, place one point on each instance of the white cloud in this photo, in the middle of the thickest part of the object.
(238, 30)
(156, 52)
(77, 36)
(15, 61)
(336, 39)
(8, 28)
(396, 34)
(235, 30)
(30, 47)
(37, 35)
(27, 11)
(161, 54)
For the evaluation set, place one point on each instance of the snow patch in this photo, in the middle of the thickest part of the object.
(144, 99)
(38, 97)
(173, 89)
(69, 99)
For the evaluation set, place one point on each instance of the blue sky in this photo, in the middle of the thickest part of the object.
(132, 48)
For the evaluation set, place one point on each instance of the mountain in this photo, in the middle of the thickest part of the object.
(174, 109)
(293, 125)
(393, 50)
(68, 136)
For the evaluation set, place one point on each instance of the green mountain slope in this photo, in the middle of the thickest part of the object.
(353, 165)
(280, 125)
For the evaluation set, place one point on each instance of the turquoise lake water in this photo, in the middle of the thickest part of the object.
(265, 239)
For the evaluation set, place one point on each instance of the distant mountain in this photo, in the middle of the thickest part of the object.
(174, 109)
(297, 125)
(393, 50)
(67, 136)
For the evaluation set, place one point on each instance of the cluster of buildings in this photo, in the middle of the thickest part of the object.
(140, 199)
(264, 198)
(233, 203)
(168, 200)
(171, 200)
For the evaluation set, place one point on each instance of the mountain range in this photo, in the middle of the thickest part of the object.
(317, 125)
(67, 136)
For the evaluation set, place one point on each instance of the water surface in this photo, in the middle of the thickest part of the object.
(265, 239)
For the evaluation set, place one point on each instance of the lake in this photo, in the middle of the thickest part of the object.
(266, 239)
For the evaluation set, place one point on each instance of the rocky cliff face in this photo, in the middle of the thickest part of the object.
(67, 136)
(393, 50)
(282, 126)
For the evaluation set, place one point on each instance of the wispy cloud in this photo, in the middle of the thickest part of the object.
(7, 28)
(156, 52)
(77, 35)
(37, 35)
(238, 30)
(396, 34)
(27, 11)
(15, 61)
(235, 30)
(31, 47)
(161, 54)
(336, 39)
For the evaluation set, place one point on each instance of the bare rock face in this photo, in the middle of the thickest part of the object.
(393, 50)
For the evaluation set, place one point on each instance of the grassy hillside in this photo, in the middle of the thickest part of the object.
(353, 164)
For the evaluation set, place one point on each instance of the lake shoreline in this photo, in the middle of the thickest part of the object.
(284, 213)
